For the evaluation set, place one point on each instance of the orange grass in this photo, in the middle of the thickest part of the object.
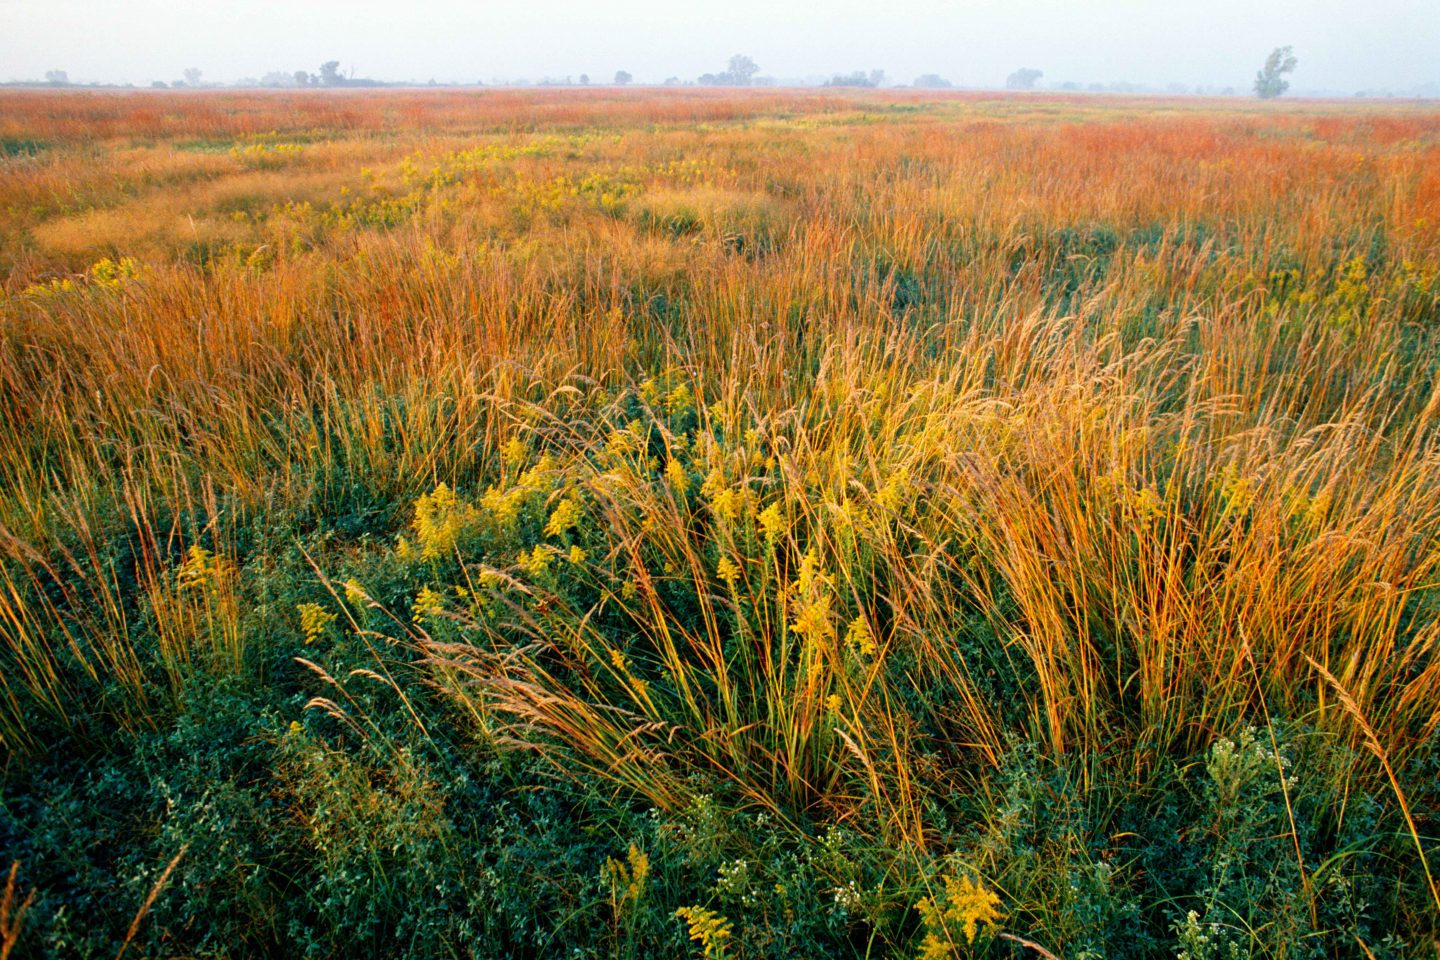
(1153, 425)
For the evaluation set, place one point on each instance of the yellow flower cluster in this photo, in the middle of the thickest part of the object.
(675, 474)
(564, 518)
(537, 561)
(630, 875)
(427, 605)
(314, 619)
(858, 637)
(679, 401)
(810, 594)
(708, 927)
(772, 521)
(441, 519)
(725, 501)
(355, 594)
(626, 441)
(203, 570)
(727, 570)
(965, 903)
(1237, 493)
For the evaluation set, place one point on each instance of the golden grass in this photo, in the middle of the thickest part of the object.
(1102, 376)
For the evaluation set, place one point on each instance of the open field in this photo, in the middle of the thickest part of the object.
(765, 524)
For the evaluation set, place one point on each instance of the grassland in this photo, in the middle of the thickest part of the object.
(585, 524)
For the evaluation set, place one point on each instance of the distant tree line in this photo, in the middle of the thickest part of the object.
(739, 73)
(857, 79)
(742, 71)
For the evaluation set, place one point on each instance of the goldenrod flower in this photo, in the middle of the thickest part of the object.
(313, 620)
(515, 451)
(427, 604)
(536, 562)
(675, 473)
(708, 927)
(727, 504)
(441, 519)
(727, 571)
(772, 521)
(859, 637)
(631, 875)
(813, 621)
(564, 519)
(965, 903)
(677, 400)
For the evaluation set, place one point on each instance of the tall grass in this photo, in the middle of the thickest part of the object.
(897, 434)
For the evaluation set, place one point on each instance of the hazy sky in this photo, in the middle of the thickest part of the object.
(1343, 45)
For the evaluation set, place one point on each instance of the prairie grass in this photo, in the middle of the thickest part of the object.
(597, 523)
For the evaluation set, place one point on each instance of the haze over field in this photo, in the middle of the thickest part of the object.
(971, 42)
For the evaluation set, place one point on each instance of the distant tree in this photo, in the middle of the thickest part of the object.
(160, 85)
(1270, 82)
(1023, 79)
(302, 79)
(857, 79)
(584, 79)
(741, 70)
(739, 73)
(330, 74)
(672, 81)
(58, 77)
(933, 81)
(622, 77)
(192, 76)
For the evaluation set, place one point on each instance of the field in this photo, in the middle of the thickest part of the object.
(751, 524)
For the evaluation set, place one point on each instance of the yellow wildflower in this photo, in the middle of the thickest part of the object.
(714, 483)
(505, 507)
(675, 473)
(427, 604)
(441, 518)
(965, 903)
(813, 621)
(860, 638)
(727, 504)
(515, 451)
(536, 562)
(709, 928)
(894, 494)
(772, 521)
(577, 556)
(313, 620)
(727, 571)
(631, 875)
(565, 518)
(678, 400)
(203, 570)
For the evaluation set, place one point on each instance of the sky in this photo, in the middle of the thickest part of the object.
(1342, 45)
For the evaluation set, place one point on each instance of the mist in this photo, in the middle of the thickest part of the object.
(971, 43)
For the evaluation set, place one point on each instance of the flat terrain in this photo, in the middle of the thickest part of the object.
(753, 523)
